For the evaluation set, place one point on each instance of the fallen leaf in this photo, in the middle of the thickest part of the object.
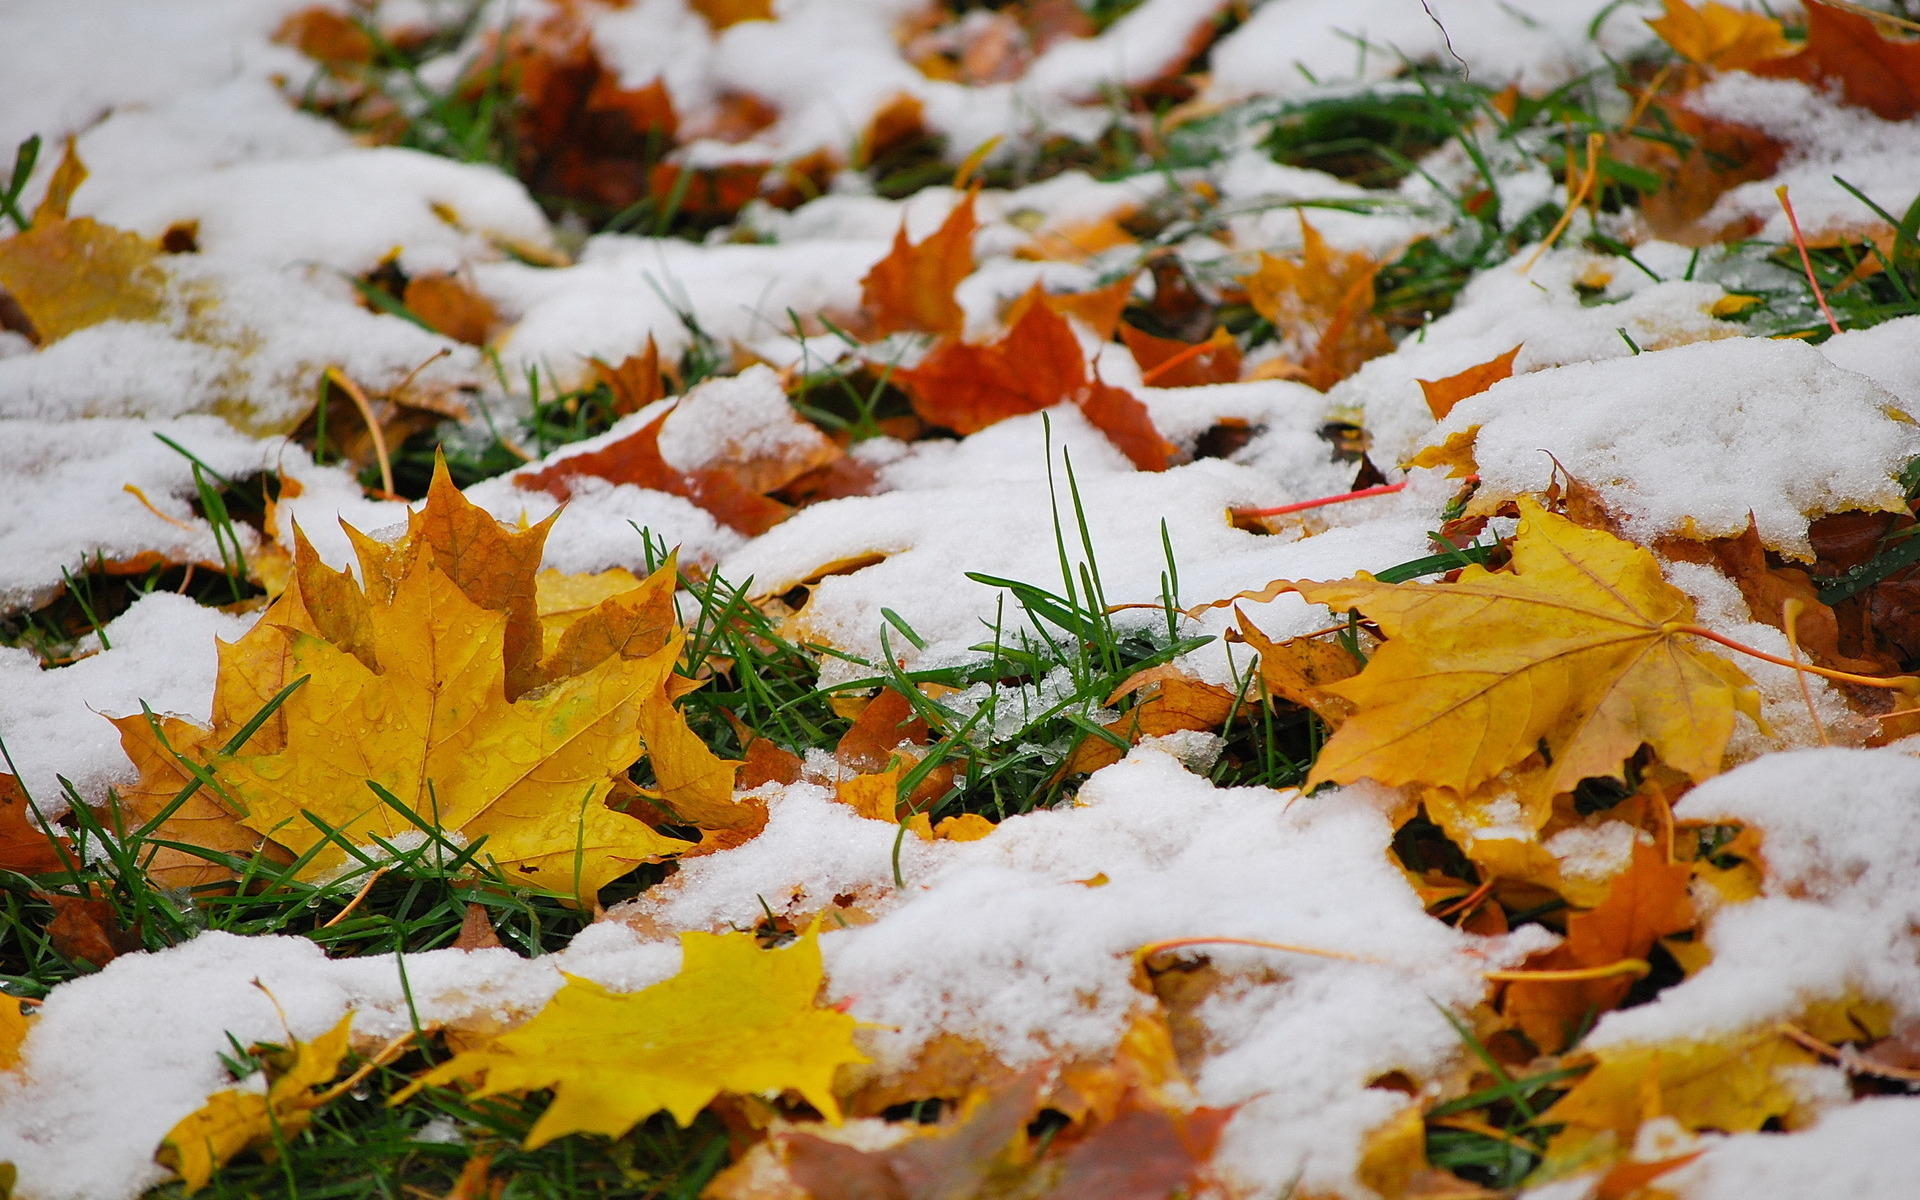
(1647, 901)
(1696, 159)
(476, 930)
(1719, 37)
(1577, 648)
(1169, 701)
(241, 1118)
(1147, 1152)
(1846, 49)
(87, 928)
(1037, 364)
(329, 38)
(735, 1019)
(1322, 306)
(451, 307)
(25, 846)
(1171, 363)
(911, 289)
(14, 1027)
(1734, 1084)
(1443, 394)
(722, 13)
(1299, 670)
(410, 688)
(635, 381)
(67, 273)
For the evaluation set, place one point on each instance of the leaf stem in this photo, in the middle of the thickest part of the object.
(1898, 683)
(1385, 489)
(1806, 260)
(1152, 948)
(1625, 966)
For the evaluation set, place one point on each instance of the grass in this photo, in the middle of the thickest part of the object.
(1006, 721)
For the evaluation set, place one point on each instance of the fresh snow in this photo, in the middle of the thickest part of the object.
(1641, 388)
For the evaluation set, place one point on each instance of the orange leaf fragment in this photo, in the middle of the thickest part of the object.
(24, 846)
(1322, 305)
(1171, 702)
(1647, 901)
(911, 289)
(722, 13)
(451, 307)
(636, 381)
(1099, 309)
(1443, 394)
(1171, 363)
(1299, 670)
(1719, 37)
(327, 37)
(1846, 49)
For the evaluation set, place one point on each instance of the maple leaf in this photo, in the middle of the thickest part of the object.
(1443, 394)
(1171, 363)
(426, 699)
(722, 13)
(1846, 49)
(1299, 670)
(1647, 901)
(1037, 364)
(1718, 37)
(911, 289)
(1322, 303)
(735, 1019)
(1578, 649)
(1734, 1083)
(1171, 701)
(238, 1118)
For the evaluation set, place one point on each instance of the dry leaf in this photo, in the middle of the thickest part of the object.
(635, 382)
(1577, 648)
(14, 1027)
(241, 1118)
(735, 1019)
(1037, 364)
(1170, 701)
(451, 307)
(1848, 50)
(1299, 670)
(1443, 394)
(1322, 306)
(25, 847)
(1718, 37)
(722, 13)
(1171, 363)
(1647, 901)
(411, 686)
(911, 289)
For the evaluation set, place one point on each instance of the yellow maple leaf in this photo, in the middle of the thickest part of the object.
(14, 1026)
(1732, 1083)
(735, 1019)
(1581, 648)
(238, 1118)
(425, 702)
(1719, 37)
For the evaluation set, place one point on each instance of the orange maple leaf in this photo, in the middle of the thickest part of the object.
(25, 847)
(911, 289)
(1443, 394)
(1578, 648)
(1846, 49)
(1647, 901)
(1037, 364)
(1321, 303)
(1172, 363)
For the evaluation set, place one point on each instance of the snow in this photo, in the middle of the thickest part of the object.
(1638, 380)
(1692, 441)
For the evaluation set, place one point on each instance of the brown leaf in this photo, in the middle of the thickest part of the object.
(1170, 701)
(1706, 158)
(327, 37)
(911, 289)
(1443, 394)
(887, 721)
(87, 929)
(476, 930)
(451, 307)
(722, 13)
(1847, 49)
